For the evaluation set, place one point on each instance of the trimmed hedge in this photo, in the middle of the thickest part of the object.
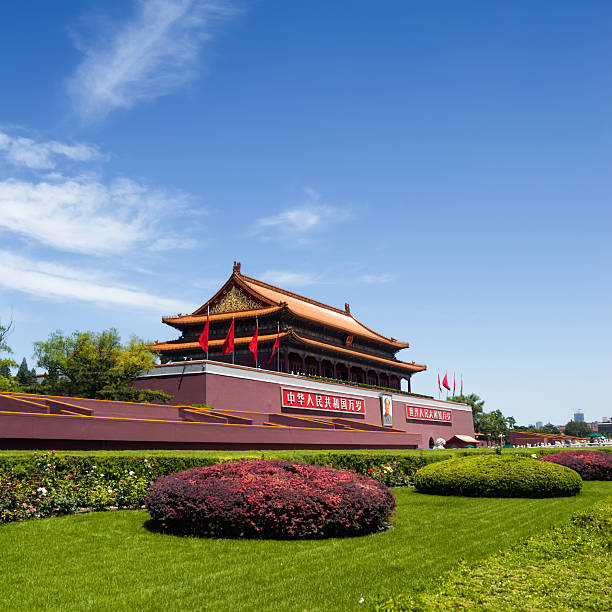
(106, 479)
(41, 484)
(591, 465)
(498, 476)
(269, 499)
(563, 569)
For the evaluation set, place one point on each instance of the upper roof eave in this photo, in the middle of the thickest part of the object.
(250, 285)
(371, 334)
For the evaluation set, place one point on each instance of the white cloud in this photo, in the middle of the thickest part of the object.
(299, 223)
(86, 215)
(144, 58)
(377, 279)
(50, 280)
(36, 155)
(288, 278)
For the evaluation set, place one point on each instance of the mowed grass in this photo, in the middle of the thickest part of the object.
(111, 561)
(288, 454)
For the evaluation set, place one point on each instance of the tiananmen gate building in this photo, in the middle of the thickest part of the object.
(314, 338)
(322, 379)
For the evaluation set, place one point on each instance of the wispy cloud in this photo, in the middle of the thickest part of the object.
(87, 216)
(376, 279)
(51, 280)
(289, 279)
(145, 58)
(299, 223)
(40, 155)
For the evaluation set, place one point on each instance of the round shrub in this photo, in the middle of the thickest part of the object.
(269, 499)
(497, 476)
(591, 465)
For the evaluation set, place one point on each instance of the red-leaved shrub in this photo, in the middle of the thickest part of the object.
(591, 465)
(269, 499)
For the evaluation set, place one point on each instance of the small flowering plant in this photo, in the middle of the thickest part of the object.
(47, 488)
(390, 474)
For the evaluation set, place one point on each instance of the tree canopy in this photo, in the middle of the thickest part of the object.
(579, 429)
(491, 423)
(6, 363)
(95, 364)
(25, 376)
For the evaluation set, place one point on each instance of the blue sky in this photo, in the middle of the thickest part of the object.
(442, 166)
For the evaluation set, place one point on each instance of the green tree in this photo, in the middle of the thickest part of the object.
(94, 364)
(477, 405)
(579, 429)
(493, 424)
(490, 423)
(5, 363)
(24, 376)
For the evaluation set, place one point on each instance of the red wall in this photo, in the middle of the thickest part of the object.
(256, 396)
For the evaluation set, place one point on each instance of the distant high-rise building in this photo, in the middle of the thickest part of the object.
(579, 416)
(539, 424)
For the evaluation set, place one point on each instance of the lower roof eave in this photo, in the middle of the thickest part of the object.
(373, 361)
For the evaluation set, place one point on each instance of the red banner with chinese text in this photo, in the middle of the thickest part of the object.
(322, 401)
(429, 414)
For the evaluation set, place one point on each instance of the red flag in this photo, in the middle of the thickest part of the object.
(462, 386)
(453, 384)
(439, 385)
(203, 339)
(228, 343)
(253, 342)
(445, 382)
(276, 345)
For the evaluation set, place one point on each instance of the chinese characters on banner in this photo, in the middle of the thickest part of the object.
(321, 401)
(429, 414)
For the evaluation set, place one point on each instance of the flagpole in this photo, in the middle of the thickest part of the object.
(233, 347)
(257, 330)
(207, 319)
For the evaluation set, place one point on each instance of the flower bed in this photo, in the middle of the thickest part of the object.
(102, 480)
(44, 487)
(497, 476)
(118, 479)
(591, 465)
(269, 499)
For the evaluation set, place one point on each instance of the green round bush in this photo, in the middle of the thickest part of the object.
(498, 476)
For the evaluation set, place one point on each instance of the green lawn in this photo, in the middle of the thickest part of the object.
(110, 561)
(290, 454)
